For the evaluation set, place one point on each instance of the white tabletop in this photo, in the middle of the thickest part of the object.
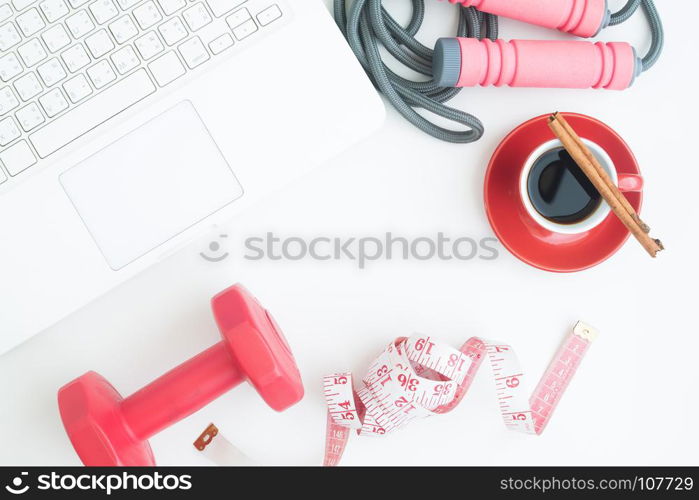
(633, 400)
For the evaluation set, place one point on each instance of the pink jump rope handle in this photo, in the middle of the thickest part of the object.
(467, 62)
(583, 18)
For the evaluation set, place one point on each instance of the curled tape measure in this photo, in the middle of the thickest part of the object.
(419, 377)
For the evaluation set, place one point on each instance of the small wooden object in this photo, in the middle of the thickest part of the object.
(589, 164)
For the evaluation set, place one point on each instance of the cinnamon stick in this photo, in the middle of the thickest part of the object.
(601, 171)
(589, 164)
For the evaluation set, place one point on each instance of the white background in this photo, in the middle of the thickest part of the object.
(634, 398)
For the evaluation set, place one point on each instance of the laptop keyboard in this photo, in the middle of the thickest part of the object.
(67, 66)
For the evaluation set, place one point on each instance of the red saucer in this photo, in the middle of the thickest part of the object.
(515, 228)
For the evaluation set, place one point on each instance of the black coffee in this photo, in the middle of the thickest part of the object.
(559, 189)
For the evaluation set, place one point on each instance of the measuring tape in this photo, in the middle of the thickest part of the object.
(418, 377)
(218, 449)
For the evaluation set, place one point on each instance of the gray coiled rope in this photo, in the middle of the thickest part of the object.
(367, 24)
(656, 27)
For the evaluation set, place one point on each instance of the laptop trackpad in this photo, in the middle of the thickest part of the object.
(150, 185)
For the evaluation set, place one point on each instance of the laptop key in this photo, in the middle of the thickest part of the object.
(28, 86)
(8, 36)
(101, 74)
(149, 45)
(80, 24)
(99, 43)
(147, 15)
(51, 72)
(31, 52)
(127, 4)
(53, 102)
(103, 10)
(54, 9)
(123, 29)
(22, 4)
(173, 31)
(9, 67)
(9, 131)
(238, 18)
(193, 52)
(269, 15)
(56, 38)
(221, 43)
(17, 157)
(171, 6)
(75, 58)
(196, 17)
(92, 113)
(30, 22)
(166, 69)
(77, 88)
(29, 117)
(220, 7)
(125, 59)
(245, 30)
(8, 100)
(5, 12)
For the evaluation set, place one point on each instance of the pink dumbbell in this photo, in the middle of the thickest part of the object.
(107, 430)
(583, 18)
(467, 62)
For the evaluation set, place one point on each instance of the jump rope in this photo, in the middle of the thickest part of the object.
(477, 57)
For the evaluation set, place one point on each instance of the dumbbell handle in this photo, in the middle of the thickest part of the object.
(583, 18)
(181, 391)
(467, 62)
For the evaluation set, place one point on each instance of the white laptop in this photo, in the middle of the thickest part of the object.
(129, 126)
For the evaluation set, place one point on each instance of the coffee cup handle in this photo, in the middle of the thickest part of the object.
(630, 183)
